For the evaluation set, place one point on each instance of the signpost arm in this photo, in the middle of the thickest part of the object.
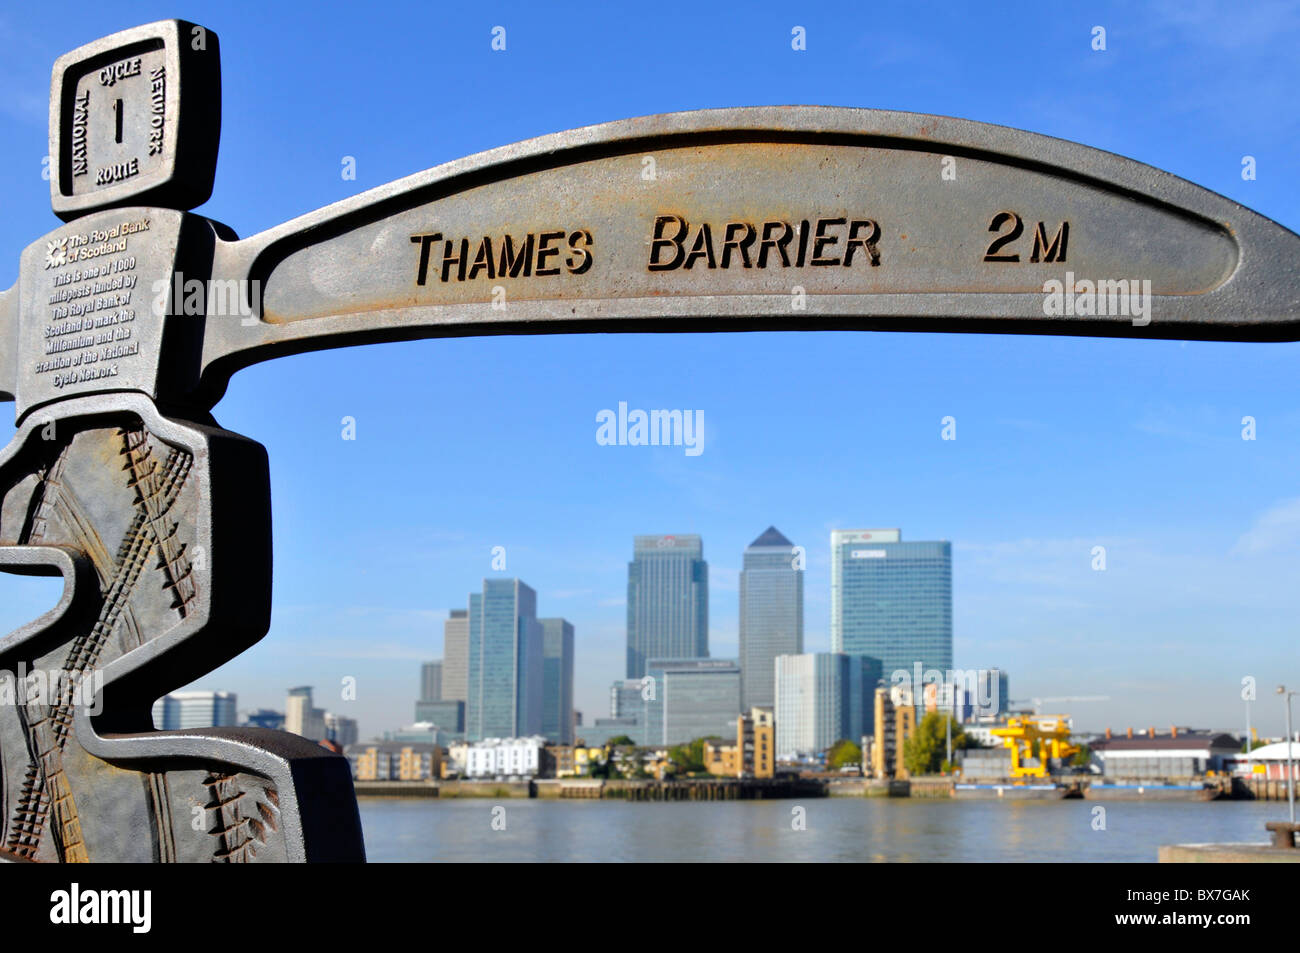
(765, 218)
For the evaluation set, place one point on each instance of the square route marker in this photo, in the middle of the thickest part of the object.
(135, 119)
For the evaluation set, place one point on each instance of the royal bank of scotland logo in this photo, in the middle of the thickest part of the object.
(56, 253)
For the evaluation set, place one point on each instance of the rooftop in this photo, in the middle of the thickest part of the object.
(1277, 751)
(772, 537)
(1189, 740)
(391, 747)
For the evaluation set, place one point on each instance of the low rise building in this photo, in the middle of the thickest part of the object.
(758, 745)
(557, 761)
(752, 755)
(984, 763)
(505, 757)
(658, 764)
(895, 718)
(1267, 761)
(394, 761)
(722, 758)
(585, 757)
(983, 733)
(457, 759)
(1180, 753)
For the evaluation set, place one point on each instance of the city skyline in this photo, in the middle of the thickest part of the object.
(598, 697)
(1063, 445)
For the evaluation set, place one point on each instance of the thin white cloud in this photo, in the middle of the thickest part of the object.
(1278, 528)
(1204, 23)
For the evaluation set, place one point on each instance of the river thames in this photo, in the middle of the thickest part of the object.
(833, 829)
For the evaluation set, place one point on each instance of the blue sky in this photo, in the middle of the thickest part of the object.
(462, 445)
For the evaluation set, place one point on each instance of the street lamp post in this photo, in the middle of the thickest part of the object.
(1290, 764)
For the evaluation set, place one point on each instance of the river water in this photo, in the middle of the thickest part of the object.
(833, 829)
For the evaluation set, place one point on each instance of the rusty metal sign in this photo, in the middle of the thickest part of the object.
(127, 322)
(158, 522)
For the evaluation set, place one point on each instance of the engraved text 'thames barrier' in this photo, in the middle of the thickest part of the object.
(127, 321)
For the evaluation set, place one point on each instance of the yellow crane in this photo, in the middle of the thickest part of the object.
(1051, 733)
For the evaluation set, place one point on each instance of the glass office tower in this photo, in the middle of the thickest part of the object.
(447, 715)
(667, 601)
(891, 600)
(557, 681)
(771, 615)
(431, 681)
(182, 710)
(693, 698)
(505, 662)
(625, 699)
(822, 697)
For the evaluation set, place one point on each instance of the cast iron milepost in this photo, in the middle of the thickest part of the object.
(127, 321)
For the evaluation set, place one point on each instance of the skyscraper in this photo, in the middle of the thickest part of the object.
(340, 730)
(692, 698)
(430, 706)
(264, 718)
(771, 615)
(455, 656)
(557, 681)
(891, 600)
(449, 716)
(822, 697)
(667, 601)
(505, 662)
(431, 681)
(625, 699)
(301, 717)
(627, 714)
(182, 710)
